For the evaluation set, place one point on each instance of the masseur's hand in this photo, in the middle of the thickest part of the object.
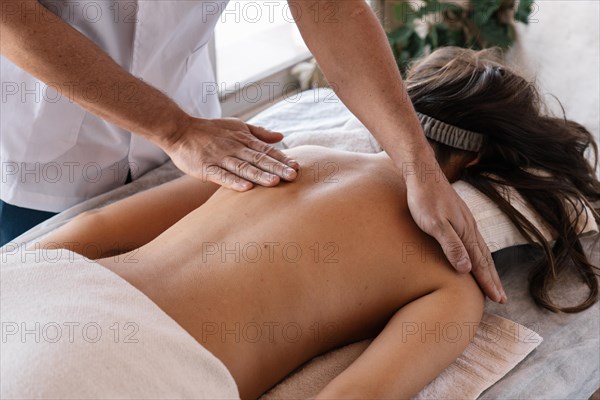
(227, 152)
(230, 153)
(440, 212)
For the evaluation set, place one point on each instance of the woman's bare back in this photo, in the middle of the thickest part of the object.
(270, 278)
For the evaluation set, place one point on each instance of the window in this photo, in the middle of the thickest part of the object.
(254, 37)
(256, 43)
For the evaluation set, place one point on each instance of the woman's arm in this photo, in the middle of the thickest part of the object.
(412, 349)
(132, 222)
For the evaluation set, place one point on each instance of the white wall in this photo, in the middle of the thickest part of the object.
(561, 48)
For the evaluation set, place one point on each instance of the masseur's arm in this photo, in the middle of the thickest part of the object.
(132, 222)
(354, 54)
(218, 150)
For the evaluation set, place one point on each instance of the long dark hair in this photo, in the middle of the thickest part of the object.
(540, 155)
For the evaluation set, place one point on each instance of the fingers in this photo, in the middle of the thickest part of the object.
(484, 269)
(453, 247)
(264, 134)
(268, 164)
(235, 153)
(227, 179)
(257, 161)
(262, 147)
(448, 219)
(245, 171)
(474, 251)
(470, 258)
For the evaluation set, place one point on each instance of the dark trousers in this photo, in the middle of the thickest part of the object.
(17, 220)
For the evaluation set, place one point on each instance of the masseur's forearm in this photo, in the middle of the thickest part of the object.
(51, 50)
(352, 50)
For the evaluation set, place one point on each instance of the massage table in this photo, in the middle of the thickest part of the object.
(565, 366)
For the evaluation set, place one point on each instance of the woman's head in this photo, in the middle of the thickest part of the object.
(540, 155)
(473, 90)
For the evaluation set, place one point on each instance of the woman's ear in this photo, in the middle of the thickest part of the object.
(474, 161)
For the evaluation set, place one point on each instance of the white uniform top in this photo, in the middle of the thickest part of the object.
(53, 153)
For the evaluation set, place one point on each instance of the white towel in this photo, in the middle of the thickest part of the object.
(498, 346)
(352, 136)
(71, 329)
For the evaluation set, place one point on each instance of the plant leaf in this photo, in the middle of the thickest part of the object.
(494, 34)
(484, 9)
(524, 10)
(434, 38)
(456, 38)
(443, 7)
(401, 35)
(405, 13)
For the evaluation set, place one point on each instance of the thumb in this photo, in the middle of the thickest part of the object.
(454, 249)
(264, 134)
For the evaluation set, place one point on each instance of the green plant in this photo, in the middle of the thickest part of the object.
(477, 24)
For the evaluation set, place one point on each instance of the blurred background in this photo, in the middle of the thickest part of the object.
(260, 57)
